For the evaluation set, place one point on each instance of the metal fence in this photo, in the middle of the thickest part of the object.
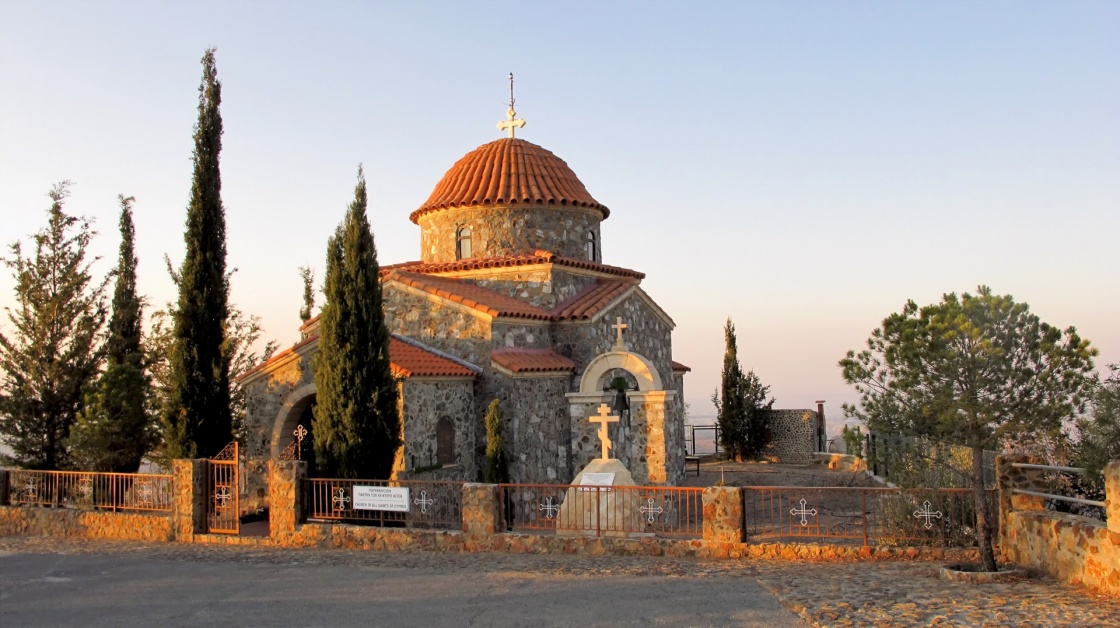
(88, 490)
(420, 504)
(918, 461)
(604, 510)
(883, 516)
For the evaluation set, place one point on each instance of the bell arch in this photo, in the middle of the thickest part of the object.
(597, 371)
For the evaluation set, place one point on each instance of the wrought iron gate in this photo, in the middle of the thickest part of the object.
(223, 510)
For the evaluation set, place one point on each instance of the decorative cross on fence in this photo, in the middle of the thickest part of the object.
(85, 487)
(803, 511)
(222, 496)
(423, 501)
(340, 500)
(926, 512)
(144, 492)
(550, 509)
(300, 433)
(31, 489)
(651, 511)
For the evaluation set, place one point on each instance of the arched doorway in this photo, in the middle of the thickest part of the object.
(297, 411)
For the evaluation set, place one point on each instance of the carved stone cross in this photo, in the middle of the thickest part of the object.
(603, 419)
(619, 326)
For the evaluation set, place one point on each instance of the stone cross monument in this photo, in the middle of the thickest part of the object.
(603, 419)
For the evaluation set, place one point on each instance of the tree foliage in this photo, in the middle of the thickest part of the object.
(1100, 435)
(356, 428)
(308, 277)
(496, 470)
(54, 352)
(972, 370)
(115, 428)
(742, 410)
(197, 418)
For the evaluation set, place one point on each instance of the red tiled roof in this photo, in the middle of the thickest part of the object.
(591, 300)
(680, 368)
(537, 257)
(409, 360)
(470, 295)
(509, 171)
(531, 360)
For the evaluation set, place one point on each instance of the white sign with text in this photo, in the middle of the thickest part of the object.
(381, 498)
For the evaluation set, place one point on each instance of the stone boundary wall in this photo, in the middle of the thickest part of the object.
(90, 524)
(1076, 549)
(843, 462)
(794, 435)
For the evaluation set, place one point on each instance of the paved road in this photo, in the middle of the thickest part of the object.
(134, 589)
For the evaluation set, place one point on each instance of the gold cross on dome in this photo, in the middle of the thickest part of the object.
(619, 326)
(512, 120)
(603, 419)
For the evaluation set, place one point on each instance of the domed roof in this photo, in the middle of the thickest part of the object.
(509, 171)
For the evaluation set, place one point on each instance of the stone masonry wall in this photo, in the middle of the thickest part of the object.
(537, 427)
(498, 231)
(538, 287)
(425, 402)
(440, 326)
(1073, 548)
(794, 435)
(90, 524)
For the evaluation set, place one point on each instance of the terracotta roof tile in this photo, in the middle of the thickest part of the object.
(407, 358)
(508, 171)
(591, 300)
(537, 257)
(518, 360)
(470, 295)
(680, 368)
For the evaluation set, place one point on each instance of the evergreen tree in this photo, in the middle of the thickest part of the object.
(197, 419)
(971, 370)
(114, 430)
(356, 426)
(731, 410)
(308, 277)
(757, 433)
(54, 353)
(497, 462)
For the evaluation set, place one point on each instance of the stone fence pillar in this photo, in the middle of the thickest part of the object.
(1112, 496)
(723, 514)
(286, 479)
(188, 514)
(481, 509)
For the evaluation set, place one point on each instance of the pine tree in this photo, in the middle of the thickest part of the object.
(497, 463)
(356, 426)
(197, 421)
(54, 353)
(731, 411)
(114, 430)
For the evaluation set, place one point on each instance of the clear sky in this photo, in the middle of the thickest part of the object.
(802, 167)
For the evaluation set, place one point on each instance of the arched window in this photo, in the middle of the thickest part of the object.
(445, 441)
(463, 243)
(591, 246)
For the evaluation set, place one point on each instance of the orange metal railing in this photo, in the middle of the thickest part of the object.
(430, 504)
(88, 490)
(604, 510)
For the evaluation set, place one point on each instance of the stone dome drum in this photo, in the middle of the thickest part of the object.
(509, 197)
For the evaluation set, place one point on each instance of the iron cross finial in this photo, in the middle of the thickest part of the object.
(512, 121)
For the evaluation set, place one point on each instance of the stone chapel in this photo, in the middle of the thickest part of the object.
(510, 300)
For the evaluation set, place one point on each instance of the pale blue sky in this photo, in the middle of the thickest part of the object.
(802, 167)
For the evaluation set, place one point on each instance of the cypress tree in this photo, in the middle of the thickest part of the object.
(54, 352)
(731, 410)
(356, 426)
(197, 419)
(114, 430)
(497, 463)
